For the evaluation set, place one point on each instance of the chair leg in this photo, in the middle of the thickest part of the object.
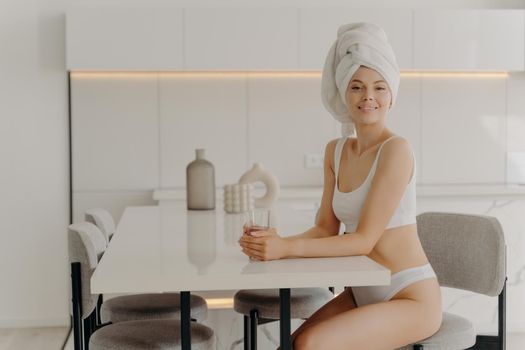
(94, 323)
(496, 342)
(87, 332)
(90, 326)
(502, 317)
(246, 332)
(99, 306)
(254, 315)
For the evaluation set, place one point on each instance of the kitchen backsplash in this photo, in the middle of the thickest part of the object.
(147, 127)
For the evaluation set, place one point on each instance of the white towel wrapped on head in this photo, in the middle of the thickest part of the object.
(357, 44)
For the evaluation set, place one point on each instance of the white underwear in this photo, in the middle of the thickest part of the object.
(400, 280)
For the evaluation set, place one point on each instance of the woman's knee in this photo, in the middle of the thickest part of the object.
(436, 322)
(306, 340)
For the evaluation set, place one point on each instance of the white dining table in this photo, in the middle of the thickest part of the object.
(159, 249)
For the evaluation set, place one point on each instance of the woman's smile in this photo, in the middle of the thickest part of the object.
(367, 108)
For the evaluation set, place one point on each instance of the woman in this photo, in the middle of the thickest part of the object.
(369, 185)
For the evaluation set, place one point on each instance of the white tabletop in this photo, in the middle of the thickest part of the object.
(164, 249)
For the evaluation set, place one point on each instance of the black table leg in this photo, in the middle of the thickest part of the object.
(185, 331)
(246, 333)
(254, 321)
(286, 343)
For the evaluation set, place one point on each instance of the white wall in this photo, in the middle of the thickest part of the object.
(34, 153)
(34, 164)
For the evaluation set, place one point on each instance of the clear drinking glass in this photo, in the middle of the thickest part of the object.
(256, 220)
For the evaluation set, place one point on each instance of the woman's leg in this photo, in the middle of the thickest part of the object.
(341, 303)
(413, 314)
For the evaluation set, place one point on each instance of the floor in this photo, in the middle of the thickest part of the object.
(32, 338)
(53, 338)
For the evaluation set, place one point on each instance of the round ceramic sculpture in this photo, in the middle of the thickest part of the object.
(258, 173)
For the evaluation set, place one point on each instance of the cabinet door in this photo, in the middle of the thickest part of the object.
(202, 112)
(115, 131)
(463, 134)
(469, 40)
(130, 38)
(241, 39)
(318, 31)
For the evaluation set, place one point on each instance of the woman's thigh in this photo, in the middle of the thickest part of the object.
(382, 326)
(341, 303)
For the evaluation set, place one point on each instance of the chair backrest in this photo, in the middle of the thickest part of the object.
(466, 251)
(86, 245)
(103, 220)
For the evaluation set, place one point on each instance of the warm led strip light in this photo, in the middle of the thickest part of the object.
(199, 74)
(454, 74)
(219, 303)
(226, 303)
(273, 74)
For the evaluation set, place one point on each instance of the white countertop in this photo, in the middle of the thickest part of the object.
(422, 191)
(161, 249)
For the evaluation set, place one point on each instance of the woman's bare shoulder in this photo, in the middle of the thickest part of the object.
(331, 144)
(329, 153)
(397, 150)
(397, 144)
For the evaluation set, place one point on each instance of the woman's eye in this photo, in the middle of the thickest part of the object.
(355, 87)
(380, 88)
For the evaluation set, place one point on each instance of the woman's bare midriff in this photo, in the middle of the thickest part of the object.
(399, 248)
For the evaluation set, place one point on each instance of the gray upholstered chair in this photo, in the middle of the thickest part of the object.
(261, 306)
(103, 220)
(467, 252)
(150, 334)
(86, 246)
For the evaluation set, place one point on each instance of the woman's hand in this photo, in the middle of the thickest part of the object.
(264, 245)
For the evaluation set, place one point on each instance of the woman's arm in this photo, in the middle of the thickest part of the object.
(393, 172)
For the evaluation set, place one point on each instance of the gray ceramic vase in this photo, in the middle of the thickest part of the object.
(200, 183)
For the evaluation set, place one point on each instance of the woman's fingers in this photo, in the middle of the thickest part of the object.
(251, 239)
(250, 245)
(256, 245)
(254, 250)
(264, 233)
(253, 253)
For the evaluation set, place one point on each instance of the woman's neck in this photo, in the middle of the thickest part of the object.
(368, 138)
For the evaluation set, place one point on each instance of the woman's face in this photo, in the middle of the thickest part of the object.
(368, 96)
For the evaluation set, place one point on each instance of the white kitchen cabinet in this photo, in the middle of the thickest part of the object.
(463, 131)
(209, 113)
(115, 132)
(241, 38)
(124, 38)
(469, 40)
(318, 31)
(287, 122)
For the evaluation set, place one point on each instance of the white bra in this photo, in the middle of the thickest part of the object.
(347, 205)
